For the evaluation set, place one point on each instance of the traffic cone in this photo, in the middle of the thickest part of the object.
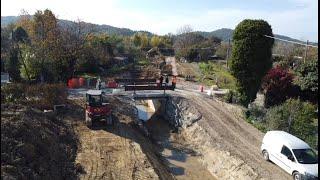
(201, 88)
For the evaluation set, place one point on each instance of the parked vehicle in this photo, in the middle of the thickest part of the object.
(291, 154)
(96, 109)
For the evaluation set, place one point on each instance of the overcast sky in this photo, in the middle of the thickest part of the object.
(295, 18)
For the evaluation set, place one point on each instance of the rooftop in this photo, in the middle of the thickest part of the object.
(289, 140)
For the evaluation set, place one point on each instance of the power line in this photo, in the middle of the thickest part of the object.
(290, 41)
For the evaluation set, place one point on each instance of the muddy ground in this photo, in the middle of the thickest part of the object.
(118, 152)
(124, 152)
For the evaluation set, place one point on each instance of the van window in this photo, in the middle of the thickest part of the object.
(306, 156)
(286, 151)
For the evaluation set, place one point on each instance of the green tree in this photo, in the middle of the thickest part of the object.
(251, 57)
(136, 40)
(144, 41)
(13, 65)
(155, 41)
(307, 75)
(307, 79)
(140, 40)
(30, 69)
(20, 38)
(295, 117)
(46, 41)
(6, 45)
(222, 50)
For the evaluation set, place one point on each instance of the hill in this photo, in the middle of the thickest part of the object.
(5, 20)
(224, 33)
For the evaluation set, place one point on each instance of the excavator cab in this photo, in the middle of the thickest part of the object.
(96, 109)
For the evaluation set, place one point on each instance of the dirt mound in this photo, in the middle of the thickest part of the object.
(35, 145)
(150, 72)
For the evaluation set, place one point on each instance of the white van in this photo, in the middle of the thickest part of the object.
(291, 154)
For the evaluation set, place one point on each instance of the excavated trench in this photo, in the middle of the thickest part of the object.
(182, 162)
(188, 148)
(179, 144)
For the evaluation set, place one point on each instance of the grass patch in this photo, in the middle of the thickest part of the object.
(216, 73)
(119, 69)
(88, 75)
(256, 116)
(143, 62)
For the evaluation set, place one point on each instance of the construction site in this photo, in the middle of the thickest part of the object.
(158, 130)
(141, 126)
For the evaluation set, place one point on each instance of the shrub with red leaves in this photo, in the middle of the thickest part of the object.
(278, 86)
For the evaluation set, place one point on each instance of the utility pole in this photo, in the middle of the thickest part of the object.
(228, 50)
(305, 54)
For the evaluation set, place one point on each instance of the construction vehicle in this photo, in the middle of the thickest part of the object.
(96, 109)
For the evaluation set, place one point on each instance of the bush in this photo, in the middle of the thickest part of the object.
(278, 86)
(45, 96)
(255, 115)
(228, 97)
(233, 96)
(42, 96)
(307, 75)
(215, 73)
(13, 93)
(295, 117)
(307, 79)
(258, 113)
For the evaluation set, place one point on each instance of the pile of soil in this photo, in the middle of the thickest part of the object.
(35, 145)
(150, 72)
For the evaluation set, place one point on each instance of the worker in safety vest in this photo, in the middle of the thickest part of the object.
(161, 80)
(167, 80)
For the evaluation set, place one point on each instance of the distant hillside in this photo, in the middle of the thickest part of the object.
(5, 20)
(224, 34)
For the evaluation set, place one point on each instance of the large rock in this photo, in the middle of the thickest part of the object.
(180, 112)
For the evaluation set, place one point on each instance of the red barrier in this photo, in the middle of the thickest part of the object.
(73, 83)
(201, 88)
(82, 82)
(112, 84)
(69, 83)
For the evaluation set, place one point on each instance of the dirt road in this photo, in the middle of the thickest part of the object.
(230, 146)
(172, 61)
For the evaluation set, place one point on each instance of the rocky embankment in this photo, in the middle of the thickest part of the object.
(179, 112)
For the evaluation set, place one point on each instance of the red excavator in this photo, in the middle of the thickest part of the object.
(96, 109)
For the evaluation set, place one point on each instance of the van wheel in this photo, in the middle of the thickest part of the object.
(265, 155)
(296, 176)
